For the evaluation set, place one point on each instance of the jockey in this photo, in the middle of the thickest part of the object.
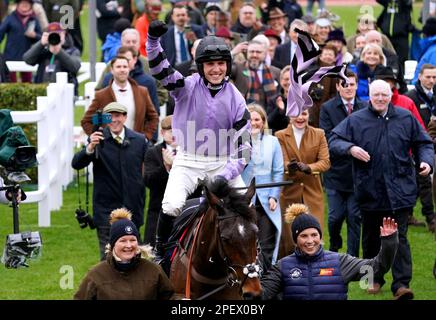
(211, 124)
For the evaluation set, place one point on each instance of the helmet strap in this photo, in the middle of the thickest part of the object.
(215, 87)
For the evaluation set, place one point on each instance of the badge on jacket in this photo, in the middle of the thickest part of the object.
(295, 273)
(326, 272)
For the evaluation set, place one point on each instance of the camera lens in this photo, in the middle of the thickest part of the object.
(54, 38)
(25, 155)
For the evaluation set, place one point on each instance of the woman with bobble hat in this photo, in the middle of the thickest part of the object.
(127, 273)
(312, 273)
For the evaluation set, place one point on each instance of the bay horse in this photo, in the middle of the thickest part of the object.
(217, 256)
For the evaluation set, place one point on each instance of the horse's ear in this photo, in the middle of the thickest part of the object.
(212, 199)
(251, 190)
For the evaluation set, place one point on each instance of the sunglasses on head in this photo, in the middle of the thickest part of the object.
(216, 47)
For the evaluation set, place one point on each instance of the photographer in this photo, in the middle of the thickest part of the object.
(117, 168)
(54, 53)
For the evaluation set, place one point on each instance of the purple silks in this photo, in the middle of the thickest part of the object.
(302, 77)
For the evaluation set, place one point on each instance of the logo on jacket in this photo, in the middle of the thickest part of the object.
(326, 272)
(295, 273)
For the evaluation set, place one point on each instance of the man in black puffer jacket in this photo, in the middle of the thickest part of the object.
(395, 22)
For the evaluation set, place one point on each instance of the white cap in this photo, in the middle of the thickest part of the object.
(323, 22)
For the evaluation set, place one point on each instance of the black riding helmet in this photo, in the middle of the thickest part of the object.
(212, 48)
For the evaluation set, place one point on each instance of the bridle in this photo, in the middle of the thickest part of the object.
(231, 279)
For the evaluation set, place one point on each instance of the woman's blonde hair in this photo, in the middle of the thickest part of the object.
(285, 70)
(376, 48)
(261, 111)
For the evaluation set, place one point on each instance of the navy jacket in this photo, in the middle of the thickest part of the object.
(17, 43)
(332, 112)
(118, 180)
(315, 277)
(325, 275)
(282, 55)
(168, 42)
(387, 181)
(425, 105)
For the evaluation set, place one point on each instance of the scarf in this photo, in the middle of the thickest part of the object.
(24, 17)
(256, 88)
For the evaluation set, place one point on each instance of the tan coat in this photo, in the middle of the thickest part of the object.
(146, 117)
(306, 189)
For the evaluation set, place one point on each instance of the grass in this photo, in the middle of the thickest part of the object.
(65, 245)
(422, 244)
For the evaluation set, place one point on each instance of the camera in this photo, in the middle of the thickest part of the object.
(84, 219)
(20, 247)
(98, 120)
(16, 155)
(54, 38)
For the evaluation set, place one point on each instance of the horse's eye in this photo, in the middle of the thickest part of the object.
(225, 238)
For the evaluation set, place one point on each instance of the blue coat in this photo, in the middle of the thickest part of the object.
(110, 46)
(266, 165)
(316, 277)
(17, 43)
(332, 113)
(428, 49)
(364, 77)
(387, 182)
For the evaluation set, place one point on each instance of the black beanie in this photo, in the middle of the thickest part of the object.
(429, 28)
(120, 228)
(122, 24)
(302, 222)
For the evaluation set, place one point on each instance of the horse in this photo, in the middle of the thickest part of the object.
(217, 256)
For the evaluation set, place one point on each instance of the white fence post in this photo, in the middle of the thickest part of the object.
(54, 117)
(43, 165)
(55, 124)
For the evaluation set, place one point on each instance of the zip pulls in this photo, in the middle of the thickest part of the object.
(392, 9)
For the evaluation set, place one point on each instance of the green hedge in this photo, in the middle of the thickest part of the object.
(22, 97)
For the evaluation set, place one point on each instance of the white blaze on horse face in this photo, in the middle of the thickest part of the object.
(241, 229)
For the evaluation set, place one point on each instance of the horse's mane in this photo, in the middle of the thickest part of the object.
(232, 199)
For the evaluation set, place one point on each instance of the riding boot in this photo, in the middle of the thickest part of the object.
(163, 231)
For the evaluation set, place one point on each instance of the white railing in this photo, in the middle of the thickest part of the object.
(84, 73)
(54, 118)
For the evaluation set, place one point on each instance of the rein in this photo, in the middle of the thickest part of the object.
(231, 279)
(188, 275)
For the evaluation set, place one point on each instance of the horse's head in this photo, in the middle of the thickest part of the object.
(237, 235)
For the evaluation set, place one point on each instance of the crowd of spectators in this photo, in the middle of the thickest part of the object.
(262, 39)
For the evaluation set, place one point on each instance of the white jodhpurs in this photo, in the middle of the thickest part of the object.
(184, 176)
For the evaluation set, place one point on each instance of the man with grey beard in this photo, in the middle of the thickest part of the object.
(254, 79)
